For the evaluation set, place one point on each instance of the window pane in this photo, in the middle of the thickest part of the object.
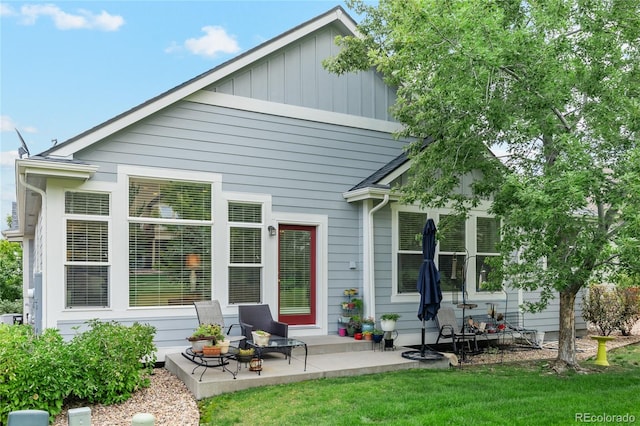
(87, 241)
(446, 266)
(452, 234)
(245, 245)
(86, 203)
(248, 213)
(169, 199)
(295, 255)
(408, 267)
(244, 284)
(169, 264)
(488, 235)
(87, 286)
(410, 226)
(483, 270)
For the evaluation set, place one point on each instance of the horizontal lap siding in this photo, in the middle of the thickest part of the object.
(305, 166)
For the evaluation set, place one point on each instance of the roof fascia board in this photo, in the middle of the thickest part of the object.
(178, 93)
(403, 168)
(47, 169)
(292, 111)
(369, 194)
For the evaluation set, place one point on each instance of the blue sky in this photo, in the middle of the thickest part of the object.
(67, 66)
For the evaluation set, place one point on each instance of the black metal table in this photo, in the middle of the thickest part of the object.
(277, 343)
(212, 361)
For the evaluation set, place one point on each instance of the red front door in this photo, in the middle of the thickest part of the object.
(297, 274)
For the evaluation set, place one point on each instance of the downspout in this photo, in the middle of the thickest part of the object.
(371, 284)
(43, 213)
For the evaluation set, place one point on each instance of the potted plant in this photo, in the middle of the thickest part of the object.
(368, 335)
(354, 325)
(205, 335)
(261, 337)
(211, 350)
(368, 323)
(388, 321)
(245, 355)
(377, 335)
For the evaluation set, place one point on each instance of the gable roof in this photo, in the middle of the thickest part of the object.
(335, 16)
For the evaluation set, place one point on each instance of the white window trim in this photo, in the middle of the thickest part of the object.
(470, 244)
(122, 220)
(88, 218)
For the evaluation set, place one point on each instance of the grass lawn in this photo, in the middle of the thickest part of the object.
(524, 394)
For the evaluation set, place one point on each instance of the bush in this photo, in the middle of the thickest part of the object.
(99, 365)
(612, 309)
(107, 361)
(10, 306)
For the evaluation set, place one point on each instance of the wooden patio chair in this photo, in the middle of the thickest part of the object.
(209, 312)
(450, 329)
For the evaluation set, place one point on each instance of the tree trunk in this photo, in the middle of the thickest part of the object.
(566, 338)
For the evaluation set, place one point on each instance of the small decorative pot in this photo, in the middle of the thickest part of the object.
(378, 338)
(255, 364)
(342, 331)
(197, 345)
(260, 339)
(357, 336)
(224, 346)
(368, 336)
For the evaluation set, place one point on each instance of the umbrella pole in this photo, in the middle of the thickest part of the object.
(423, 330)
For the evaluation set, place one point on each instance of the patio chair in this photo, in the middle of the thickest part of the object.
(258, 317)
(209, 312)
(450, 329)
(514, 322)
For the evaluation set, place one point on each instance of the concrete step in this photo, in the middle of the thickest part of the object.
(320, 345)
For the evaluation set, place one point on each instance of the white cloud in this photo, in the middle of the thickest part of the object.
(215, 41)
(8, 158)
(6, 123)
(6, 10)
(84, 19)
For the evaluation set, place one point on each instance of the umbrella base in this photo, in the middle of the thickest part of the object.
(425, 355)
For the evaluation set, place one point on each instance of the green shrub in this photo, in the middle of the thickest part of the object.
(101, 364)
(10, 306)
(107, 361)
(34, 370)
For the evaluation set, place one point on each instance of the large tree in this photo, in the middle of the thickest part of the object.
(555, 85)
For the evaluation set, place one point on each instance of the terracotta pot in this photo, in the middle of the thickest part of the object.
(211, 350)
(368, 336)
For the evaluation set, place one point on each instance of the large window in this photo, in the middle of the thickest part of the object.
(245, 252)
(410, 227)
(169, 242)
(462, 249)
(87, 249)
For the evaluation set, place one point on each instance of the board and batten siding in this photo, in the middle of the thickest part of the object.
(295, 76)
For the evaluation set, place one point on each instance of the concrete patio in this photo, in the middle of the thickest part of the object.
(328, 356)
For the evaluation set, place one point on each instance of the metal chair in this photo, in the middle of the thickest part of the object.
(258, 317)
(209, 312)
(450, 329)
(514, 322)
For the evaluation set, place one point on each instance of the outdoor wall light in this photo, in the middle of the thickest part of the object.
(272, 231)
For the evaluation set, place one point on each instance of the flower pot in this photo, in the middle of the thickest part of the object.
(224, 346)
(378, 338)
(388, 325)
(197, 345)
(211, 350)
(368, 336)
(357, 336)
(260, 339)
(342, 331)
(367, 327)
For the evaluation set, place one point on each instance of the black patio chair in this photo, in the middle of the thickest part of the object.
(258, 317)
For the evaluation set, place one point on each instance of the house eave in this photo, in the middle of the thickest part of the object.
(369, 193)
(31, 176)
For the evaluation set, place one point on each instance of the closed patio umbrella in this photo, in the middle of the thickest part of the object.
(428, 279)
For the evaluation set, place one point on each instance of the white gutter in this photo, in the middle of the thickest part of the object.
(25, 267)
(369, 292)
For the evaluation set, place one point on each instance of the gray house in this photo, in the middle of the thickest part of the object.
(264, 180)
